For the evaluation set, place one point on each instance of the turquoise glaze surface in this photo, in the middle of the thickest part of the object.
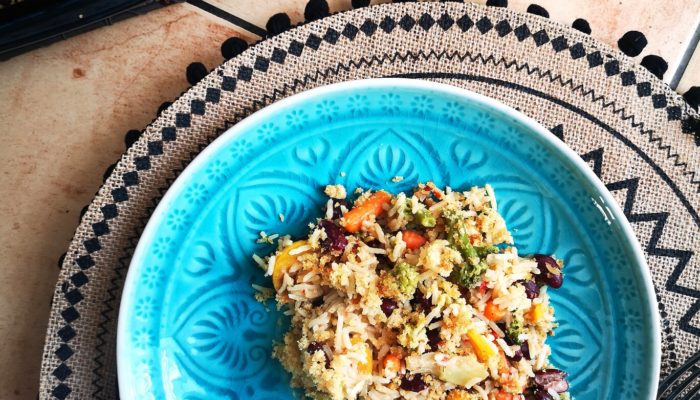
(189, 327)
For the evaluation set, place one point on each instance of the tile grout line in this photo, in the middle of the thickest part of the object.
(685, 59)
(240, 22)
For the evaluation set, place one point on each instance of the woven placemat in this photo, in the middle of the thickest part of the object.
(639, 137)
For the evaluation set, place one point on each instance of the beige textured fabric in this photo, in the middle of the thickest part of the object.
(554, 87)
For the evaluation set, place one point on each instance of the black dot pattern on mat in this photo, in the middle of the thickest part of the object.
(632, 43)
(232, 47)
(655, 64)
(60, 260)
(196, 72)
(538, 10)
(692, 96)
(316, 9)
(163, 106)
(497, 3)
(581, 25)
(359, 3)
(131, 137)
(277, 24)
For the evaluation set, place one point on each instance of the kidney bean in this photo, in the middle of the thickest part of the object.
(550, 272)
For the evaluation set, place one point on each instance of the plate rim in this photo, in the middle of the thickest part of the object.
(401, 83)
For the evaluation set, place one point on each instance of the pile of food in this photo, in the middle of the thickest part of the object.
(416, 296)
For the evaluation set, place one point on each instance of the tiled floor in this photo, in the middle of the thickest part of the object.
(64, 110)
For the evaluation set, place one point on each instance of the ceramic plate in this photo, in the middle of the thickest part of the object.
(189, 327)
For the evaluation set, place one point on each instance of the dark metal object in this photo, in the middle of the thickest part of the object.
(683, 383)
(35, 23)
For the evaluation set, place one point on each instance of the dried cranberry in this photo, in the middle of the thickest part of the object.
(552, 378)
(388, 306)
(550, 272)
(433, 338)
(337, 213)
(335, 239)
(314, 347)
(384, 261)
(532, 290)
(419, 300)
(416, 384)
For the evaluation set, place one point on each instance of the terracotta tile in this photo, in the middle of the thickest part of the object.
(64, 110)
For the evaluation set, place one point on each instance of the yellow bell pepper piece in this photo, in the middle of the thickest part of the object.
(536, 313)
(284, 261)
(366, 366)
(481, 346)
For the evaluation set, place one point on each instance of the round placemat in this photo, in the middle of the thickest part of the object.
(638, 136)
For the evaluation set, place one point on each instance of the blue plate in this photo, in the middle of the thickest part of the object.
(189, 327)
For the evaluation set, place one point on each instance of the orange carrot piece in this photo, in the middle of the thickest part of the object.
(391, 362)
(503, 395)
(494, 312)
(413, 239)
(503, 364)
(374, 205)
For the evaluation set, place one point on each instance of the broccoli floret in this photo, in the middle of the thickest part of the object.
(407, 277)
(474, 265)
(468, 275)
(425, 218)
(514, 330)
(457, 235)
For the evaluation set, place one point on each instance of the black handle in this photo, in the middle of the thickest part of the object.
(31, 24)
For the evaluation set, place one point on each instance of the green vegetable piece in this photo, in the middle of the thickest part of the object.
(468, 275)
(514, 330)
(457, 235)
(484, 251)
(407, 277)
(425, 218)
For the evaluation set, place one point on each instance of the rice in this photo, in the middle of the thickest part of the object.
(422, 296)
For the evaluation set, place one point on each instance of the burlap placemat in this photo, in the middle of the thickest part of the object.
(638, 136)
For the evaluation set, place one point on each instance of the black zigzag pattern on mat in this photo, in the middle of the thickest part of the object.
(683, 256)
(464, 56)
(116, 282)
(478, 57)
(595, 160)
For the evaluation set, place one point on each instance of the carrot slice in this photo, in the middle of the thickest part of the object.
(503, 395)
(391, 362)
(503, 364)
(494, 312)
(374, 205)
(413, 239)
